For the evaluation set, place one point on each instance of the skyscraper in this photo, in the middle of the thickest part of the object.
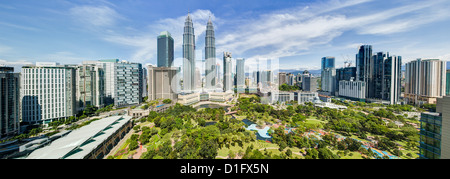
(391, 84)
(188, 55)
(425, 81)
(227, 78)
(165, 50)
(9, 101)
(328, 75)
(328, 62)
(374, 75)
(210, 56)
(240, 75)
(362, 60)
(381, 74)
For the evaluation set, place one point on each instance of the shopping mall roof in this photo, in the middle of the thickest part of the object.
(82, 141)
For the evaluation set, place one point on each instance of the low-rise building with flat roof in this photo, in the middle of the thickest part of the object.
(93, 141)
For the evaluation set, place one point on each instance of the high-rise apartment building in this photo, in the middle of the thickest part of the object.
(391, 84)
(90, 86)
(210, 57)
(309, 84)
(227, 78)
(435, 131)
(266, 78)
(123, 81)
(128, 81)
(328, 75)
(188, 55)
(165, 50)
(290, 79)
(218, 79)
(240, 75)
(381, 74)
(9, 101)
(48, 92)
(425, 81)
(281, 78)
(162, 82)
(329, 80)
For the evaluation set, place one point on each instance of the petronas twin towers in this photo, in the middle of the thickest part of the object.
(189, 56)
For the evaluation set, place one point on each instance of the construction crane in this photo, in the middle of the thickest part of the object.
(347, 62)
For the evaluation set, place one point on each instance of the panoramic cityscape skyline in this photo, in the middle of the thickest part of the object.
(300, 32)
(325, 79)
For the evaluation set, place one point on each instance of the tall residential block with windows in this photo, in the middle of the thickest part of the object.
(435, 131)
(162, 82)
(227, 80)
(328, 74)
(9, 101)
(123, 84)
(240, 75)
(128, 80)
(48, 92)
(425, 81)
(90, 86)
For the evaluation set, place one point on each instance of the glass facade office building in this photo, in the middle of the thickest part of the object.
(328, 62)
(362, 61)
(430, 136)
(448, 83)
(435, 131)
(9, 101)
(165, 50)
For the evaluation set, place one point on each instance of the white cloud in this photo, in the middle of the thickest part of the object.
(96, 16)
(64, 56)
(146, 41)
(19, 62)
(5, 49)
(288, 32)
(18, 26)
(296, 30)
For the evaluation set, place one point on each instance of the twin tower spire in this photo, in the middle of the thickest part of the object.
(189, 56)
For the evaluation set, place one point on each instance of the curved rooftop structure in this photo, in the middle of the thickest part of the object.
(81, 142)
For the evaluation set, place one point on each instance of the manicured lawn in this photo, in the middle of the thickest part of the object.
(240, 117)
(313, 120)
(257, 145)
(260, 145)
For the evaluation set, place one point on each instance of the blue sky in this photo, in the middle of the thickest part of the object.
(298, 32)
